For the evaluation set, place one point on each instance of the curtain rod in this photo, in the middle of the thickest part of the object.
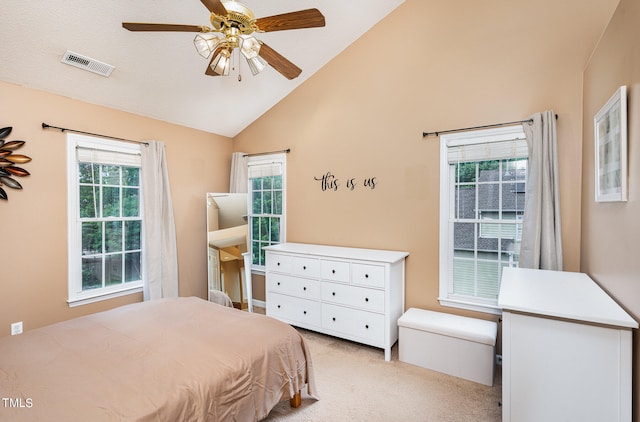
(286, 151)
(530, 121)
(64, 129)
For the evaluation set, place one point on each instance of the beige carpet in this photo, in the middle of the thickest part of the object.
(356, 384)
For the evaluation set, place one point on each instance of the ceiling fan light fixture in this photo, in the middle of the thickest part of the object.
(250, 47)
(206, 44)
(221, 63)
(256, 64)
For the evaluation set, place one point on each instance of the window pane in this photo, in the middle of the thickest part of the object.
(91, 273)
(257, 202)
(132, 235)
(256, 184)
(277, 182)
(130, 202)
(464, 236)
(130, 176)
(112, 269)
(465, 172)
(132, 267)
(465, 201)
(275, 230)
(463, 276)
(489, 171)
(110, 202)
(91, 238)
(267, 203)
(88, 173)
(89, 201)
(110, 175)
(267, 182)
(113, 236)
(277, 198)
(488, 278)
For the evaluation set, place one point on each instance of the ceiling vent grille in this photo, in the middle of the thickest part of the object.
(87, 63)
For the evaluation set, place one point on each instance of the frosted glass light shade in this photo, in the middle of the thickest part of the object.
(206, 44)
(221, 63)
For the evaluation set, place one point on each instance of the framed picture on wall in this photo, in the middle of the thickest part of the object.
(610, 131)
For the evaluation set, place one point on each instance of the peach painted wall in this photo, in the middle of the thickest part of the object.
(611, 231)
(427, 66)
(33, 222)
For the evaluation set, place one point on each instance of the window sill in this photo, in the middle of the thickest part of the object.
(100, 296)
(471, 306)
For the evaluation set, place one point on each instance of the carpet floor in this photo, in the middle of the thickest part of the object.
(355, 383)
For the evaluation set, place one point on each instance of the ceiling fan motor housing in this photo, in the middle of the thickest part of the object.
(238, 16)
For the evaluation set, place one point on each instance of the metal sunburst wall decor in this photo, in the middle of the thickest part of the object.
(8, 161)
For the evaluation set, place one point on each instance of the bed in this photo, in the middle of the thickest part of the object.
(183, 359)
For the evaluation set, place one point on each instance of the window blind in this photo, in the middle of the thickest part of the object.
(487, 150)
(264, 170)
(100, 156)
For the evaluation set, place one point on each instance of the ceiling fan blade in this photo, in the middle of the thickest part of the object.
(215, 6)
(138, 26)
(278, 62)
(309, 18)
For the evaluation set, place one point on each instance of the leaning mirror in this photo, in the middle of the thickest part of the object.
(227, 240)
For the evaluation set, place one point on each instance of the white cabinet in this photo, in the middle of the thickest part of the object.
(352, 293)
(566, 349)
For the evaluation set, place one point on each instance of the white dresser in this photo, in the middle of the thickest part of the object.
(356, 294)
(566, 349)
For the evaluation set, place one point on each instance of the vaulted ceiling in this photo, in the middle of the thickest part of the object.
(160, 74)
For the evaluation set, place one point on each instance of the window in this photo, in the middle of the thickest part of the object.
(482, 184)
(266, 206)
(105, 219)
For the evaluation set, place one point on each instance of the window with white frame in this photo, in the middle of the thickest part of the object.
(483, 176)
(105, 216)
(267, 205)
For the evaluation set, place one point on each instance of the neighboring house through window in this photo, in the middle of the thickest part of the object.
(105, 217)
(267, 205)
(483, 180)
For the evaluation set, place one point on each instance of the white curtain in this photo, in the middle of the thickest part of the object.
(541, 230)
(239, 170)
(161, 257)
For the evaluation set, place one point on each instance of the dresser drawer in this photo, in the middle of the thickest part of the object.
(293, 309)
(358, 297)
(279, 262)
(367, 275)
(295, 286)
(334, 270)
(350, 322)
(306, 267)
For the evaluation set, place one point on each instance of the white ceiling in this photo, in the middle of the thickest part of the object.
(160, 74)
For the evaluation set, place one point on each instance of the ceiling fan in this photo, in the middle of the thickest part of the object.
(232, 25)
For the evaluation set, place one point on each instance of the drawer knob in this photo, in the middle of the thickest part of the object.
(333, 271)
(278, 306)
(278, 264)
(366, 299)
(304, 288)
(304, 312)
(334, 293)
(366, 276)
(304, 267)
(366, 326)
(278, 283)
(334, 318)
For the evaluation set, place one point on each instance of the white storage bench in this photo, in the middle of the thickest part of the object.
(455, 345)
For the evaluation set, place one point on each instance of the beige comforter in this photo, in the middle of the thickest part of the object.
(167, 360)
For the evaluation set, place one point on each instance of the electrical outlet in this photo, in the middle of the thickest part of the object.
(498, 359)
(16, 328)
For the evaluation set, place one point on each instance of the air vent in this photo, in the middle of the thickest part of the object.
(87, 63)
